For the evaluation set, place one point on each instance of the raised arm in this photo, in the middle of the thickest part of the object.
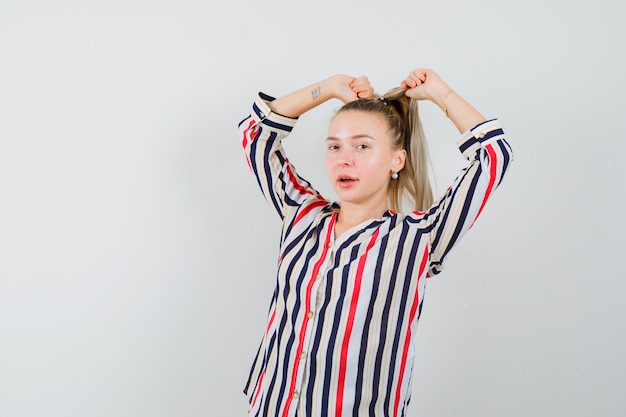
(271, 120)
(342, 87)
(489, 156)
(425, 84)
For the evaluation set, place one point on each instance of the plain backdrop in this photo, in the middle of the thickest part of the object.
(137, 255)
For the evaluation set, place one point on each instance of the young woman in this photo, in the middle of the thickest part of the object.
(340, 331)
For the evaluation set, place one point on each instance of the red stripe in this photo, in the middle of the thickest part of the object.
(349, 325)
(305, 321)
(253, 136)
(295, 182)
(244, 143)
(271, 320)
(308, 209)
(493, 163)
(260, 384)
(258, 390)
(407, 342)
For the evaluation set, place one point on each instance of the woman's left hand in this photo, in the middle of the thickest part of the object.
(424, 84)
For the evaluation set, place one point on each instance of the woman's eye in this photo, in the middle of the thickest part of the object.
(362, 146)
(333, 147)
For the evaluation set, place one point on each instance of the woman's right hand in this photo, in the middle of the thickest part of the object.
(347, 88)
(340, 86)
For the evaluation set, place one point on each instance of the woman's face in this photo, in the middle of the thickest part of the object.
(360, 157)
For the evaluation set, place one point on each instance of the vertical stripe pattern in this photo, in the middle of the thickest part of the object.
(341, 325)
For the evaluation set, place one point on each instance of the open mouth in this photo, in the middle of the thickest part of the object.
(346, 181)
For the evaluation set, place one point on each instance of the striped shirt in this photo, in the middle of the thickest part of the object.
(340, 334)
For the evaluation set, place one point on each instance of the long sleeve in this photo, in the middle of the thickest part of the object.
(262, 132)
(453, 214)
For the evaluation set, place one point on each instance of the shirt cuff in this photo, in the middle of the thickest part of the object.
(262, 113)
(479, 136)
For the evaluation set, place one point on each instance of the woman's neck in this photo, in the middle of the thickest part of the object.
(351, 215)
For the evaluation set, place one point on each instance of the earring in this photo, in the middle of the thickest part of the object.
(394, 175)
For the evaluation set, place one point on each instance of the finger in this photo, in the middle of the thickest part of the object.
(369, 92)
(413, 80)
(360, 83)
(359, 80)
(364, 91)
(362, 87)
(418, 75)
(409, 81)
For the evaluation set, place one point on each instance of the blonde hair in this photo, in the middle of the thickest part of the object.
(412, 189)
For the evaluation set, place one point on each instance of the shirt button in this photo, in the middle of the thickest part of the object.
(303, 355)
(296, 395)
(481, 135)
(330, 245)
(262, 115)
(310, 314)
(319, 276)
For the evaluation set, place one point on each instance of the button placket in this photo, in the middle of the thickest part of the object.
(311, 316)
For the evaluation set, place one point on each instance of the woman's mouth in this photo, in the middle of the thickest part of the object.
(346, 182)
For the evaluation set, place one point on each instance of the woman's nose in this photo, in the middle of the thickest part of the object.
(345, 157)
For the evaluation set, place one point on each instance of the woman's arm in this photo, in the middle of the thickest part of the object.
(342, 87)
(489, 155)
(425, 84)
(271, 120)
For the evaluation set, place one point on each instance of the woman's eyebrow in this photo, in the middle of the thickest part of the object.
(359, 136)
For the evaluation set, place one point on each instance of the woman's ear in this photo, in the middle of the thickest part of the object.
(399, 158)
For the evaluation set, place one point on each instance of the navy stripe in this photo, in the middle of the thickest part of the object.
(269, 122)
(491, 134)
(274, 199)
(482, 123)
(378, 368)
(256, 359)
(287, 360)
(368, 319)
(276, 125)
(316, 344)
(240, 124)
(439, 232)
(293, 242)
(459, 224)
(505, 159)
(345, 275)
(254, 162)
(404, 306)
(468, 144)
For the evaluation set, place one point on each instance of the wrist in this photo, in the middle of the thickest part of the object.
(441, 95)
(446, 97)
(332, 86)
(338, 86)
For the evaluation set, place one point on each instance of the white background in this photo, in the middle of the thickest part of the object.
(137, 256)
